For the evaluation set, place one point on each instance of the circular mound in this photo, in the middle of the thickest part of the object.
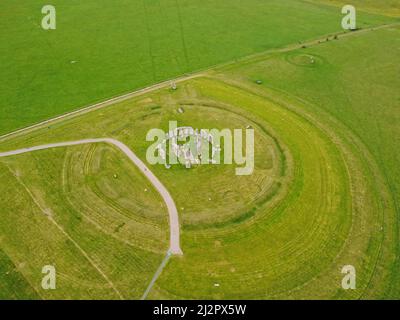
(304, 60)
(208, 189)
(312, 205)
(292, 243)
(114, 196)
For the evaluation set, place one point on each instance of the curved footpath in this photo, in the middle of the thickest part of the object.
(174, 248)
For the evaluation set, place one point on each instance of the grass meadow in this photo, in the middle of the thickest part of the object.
(101, 49)
(354, 80)
(324, 192)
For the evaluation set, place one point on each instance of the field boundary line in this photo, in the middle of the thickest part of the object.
(194, 74)
(80, 249)
(156, 275)
(174, 247)
(100, 105)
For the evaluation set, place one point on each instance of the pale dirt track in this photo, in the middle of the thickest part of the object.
(174, 248)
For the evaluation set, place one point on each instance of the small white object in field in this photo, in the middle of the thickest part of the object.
(115, 176)
(209, 199)
(73, 61)
(216, 284)
(145, 190)
(180, 110)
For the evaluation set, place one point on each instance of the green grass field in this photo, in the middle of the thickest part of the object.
(119, 226)
(120, 46)
(324, 192)
(386, 7)
(364, 87)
